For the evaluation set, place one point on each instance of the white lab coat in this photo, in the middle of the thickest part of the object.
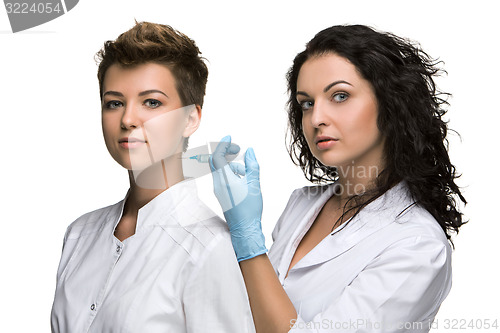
(177, 273)
(387, 270)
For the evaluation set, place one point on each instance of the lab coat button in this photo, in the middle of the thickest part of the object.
(118, 249)
(92, 307)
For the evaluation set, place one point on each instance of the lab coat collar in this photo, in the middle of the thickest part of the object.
(383, 211)
(179, 205)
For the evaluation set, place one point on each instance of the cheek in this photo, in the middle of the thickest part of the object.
(370, 120)
(163, 126)
(307, 129)
(164, 133)
(107, 128)
(362, 125)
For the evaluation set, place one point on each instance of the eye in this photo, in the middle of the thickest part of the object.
(152, 103)
(306, 105)
(113, 104)
(340, 97)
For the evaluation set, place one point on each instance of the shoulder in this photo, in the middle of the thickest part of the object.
(209, 252)
(419, 232)
(93, 221)
(396, 213)
(395, 224)
(204, 234)
(211, 240)
(413, 220)
(416, 272)
(414, 240)
(199, 232)
(422, 223)
(415, 243)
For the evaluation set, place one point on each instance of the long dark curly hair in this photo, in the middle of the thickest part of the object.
(410, 111)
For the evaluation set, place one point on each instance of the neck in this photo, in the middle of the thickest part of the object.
(358, 176)
(146, 184)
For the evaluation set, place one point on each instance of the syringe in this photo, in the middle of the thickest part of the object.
(202, 158)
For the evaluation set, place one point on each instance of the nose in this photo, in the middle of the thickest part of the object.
(319, 115)
(130, 118)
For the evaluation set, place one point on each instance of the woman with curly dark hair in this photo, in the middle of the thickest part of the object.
(369, 248)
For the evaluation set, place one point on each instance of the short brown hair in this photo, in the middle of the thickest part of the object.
(158, 43)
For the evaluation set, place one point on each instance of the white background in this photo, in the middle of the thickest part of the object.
(55, 167)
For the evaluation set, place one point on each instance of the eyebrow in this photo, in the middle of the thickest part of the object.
(328, 87)
(113, 93)
(151, 91)
(142, 93)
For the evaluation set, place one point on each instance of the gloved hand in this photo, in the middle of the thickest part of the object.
(240, 198)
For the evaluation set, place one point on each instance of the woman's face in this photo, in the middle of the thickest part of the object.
(339, 118)
(143, 120)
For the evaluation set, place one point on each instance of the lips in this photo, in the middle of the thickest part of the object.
(325, 142)
(130, 142)
(323, 138)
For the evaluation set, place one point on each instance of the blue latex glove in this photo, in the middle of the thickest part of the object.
(240, 198)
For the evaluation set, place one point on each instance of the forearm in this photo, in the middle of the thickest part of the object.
(272, 310)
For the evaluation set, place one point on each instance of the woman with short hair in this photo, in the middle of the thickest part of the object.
(159, 260)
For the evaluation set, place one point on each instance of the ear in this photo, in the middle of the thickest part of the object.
(193, 121)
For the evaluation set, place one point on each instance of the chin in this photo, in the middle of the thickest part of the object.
(330, 159)
(125, 164)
